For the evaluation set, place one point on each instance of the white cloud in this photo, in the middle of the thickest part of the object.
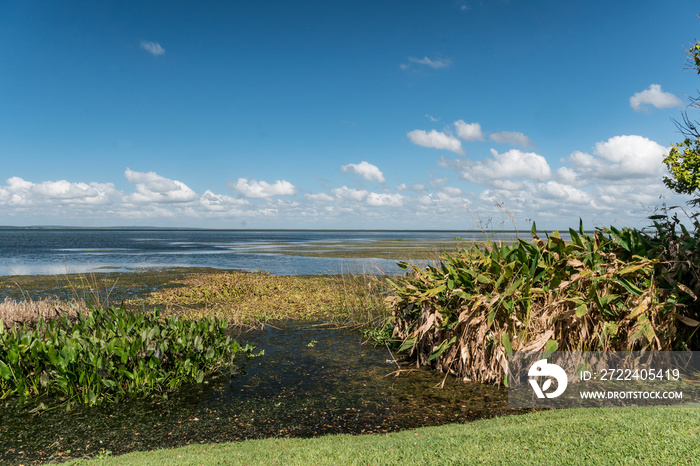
(435, 64)
(319, 197)
(262, 189)
(436, 140)
(154, 48)
(653, 96)
(469, 131)
(615, 195)
(385, 199)
(513, 138)
(620, 158)
(366, 170)
(452, 191)
(569, 176)
(508, 185)
(151, 187)
(563, 193)
(417, 187)
(19, 192)
(352, 194)
(505, 166)
(220, 202)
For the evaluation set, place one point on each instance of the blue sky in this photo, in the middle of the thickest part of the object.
(339, 114)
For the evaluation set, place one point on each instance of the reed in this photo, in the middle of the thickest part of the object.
(30, 311)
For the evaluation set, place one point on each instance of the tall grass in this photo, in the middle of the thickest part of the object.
(30, 311)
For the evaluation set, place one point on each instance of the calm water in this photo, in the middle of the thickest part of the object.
(59, 251)
(313, 380)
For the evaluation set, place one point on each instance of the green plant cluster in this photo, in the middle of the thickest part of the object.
(683, 160)
(110, 354)
(615, 290)
(683, 163)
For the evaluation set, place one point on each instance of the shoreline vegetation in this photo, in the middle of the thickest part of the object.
(462, 312)
(615, 290)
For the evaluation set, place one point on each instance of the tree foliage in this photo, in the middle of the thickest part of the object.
(683, 161)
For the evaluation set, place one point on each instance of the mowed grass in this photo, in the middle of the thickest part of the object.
(577, 436)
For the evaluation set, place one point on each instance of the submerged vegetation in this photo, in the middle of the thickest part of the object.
(615, 290)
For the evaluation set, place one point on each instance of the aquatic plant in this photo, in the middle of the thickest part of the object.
(111, 354)
(252, 298)
(617, 289)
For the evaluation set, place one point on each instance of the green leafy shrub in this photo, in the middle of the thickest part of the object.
(110, 354)
(615, 290)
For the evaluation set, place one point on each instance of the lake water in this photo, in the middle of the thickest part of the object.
(60, 251)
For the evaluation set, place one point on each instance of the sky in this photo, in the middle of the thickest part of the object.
(383, 114)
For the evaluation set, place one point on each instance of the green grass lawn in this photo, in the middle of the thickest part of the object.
(577, 436)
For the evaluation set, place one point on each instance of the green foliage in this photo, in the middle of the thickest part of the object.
(618, 289)
(110, 354)
(683, 163)
(381, 334)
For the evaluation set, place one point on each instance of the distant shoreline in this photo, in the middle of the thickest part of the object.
(359, 230)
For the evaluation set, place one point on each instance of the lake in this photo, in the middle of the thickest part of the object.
(46, 251)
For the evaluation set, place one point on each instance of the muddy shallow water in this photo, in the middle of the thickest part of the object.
(313, 380)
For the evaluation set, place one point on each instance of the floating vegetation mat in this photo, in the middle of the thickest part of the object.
(396, 248)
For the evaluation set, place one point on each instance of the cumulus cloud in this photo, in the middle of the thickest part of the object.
(513, 138)
(319, 197)
(262, 189)
(219, 202)
(452, 191)
(432, 63)
(351, 194)
(569, 176)
(154, 48)
(152, 187)
(469, 131)
(653, 96)
(366, 170)
(385, 199)
(506, 166)
(563, 193)
(621, 157)
(436, 140)
(613, 195)
(19, 192)
(416, 187)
